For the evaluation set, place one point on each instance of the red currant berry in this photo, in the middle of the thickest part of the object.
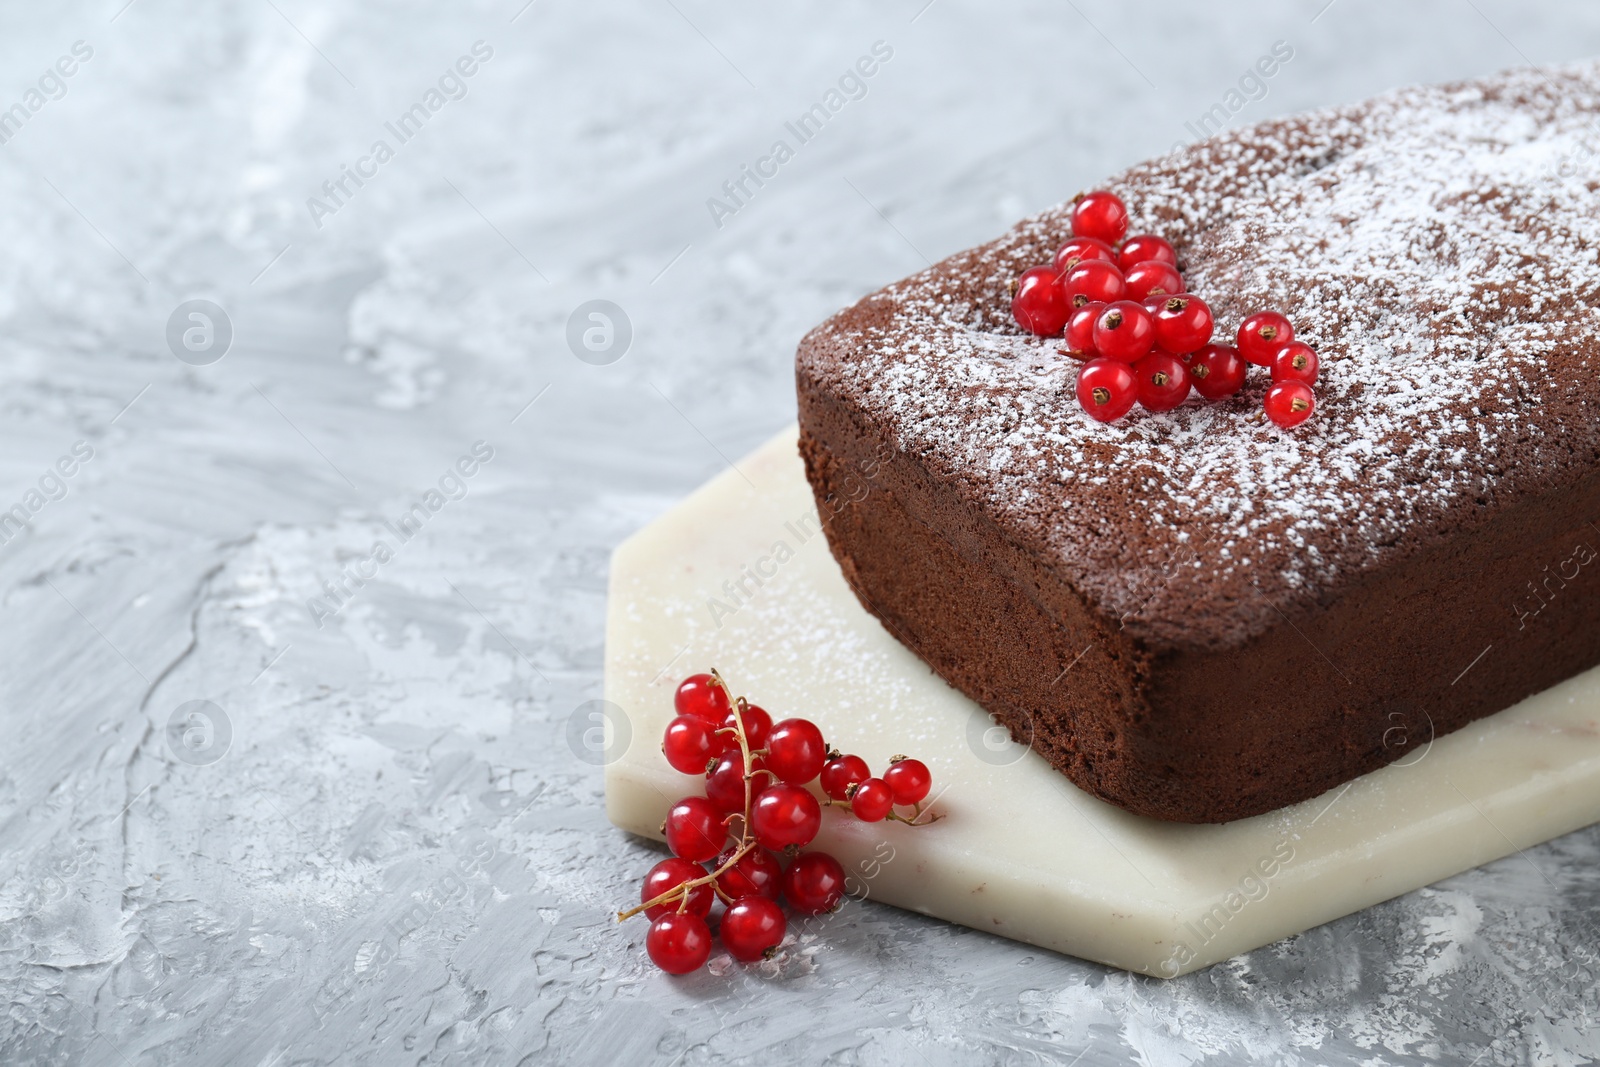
(1295, 362)
(1080, 330)
(1261, 335)
(1217, 371)
(757, 726)
(1092, 281)
(670, 874)
(909, 780)
(695, 830)
(1039, 305)
(1107, 389)
(813, 883)
(1079, 249)
(872, 800)
(1124, 331)
(1163, 381)
(679, 942)
(690, 743)
(752, 928)
(1183, 324)
(1152, 278)
(838, 775)
(795, 752)
(699, 695)
(1143, 248)
(725, 781)
(1100, 214)
(1290, 403)
(785, 815)
(756, 873)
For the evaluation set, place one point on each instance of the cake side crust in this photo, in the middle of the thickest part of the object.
(1210, 736)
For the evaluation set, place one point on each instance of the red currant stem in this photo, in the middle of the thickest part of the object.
(916, 813)
(682, 888)
(726, 899)
(744, 749)
(747, 843)
(746, 838)
(915, 820)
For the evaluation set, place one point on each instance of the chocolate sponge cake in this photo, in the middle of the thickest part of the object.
(1198, 616)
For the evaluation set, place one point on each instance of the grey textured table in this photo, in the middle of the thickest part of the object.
(287, 777)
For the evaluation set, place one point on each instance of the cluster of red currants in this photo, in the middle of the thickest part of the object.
(756, 773)
(1122, 308)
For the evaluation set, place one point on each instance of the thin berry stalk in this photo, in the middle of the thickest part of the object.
(747, 843)
(682, 889)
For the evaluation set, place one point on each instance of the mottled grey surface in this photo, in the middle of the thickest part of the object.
(373, 842)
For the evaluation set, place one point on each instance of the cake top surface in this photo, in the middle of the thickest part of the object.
(1439, 247)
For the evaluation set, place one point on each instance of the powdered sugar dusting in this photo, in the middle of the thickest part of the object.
(1439, 248)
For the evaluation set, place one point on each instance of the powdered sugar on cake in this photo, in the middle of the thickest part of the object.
(1439, 247)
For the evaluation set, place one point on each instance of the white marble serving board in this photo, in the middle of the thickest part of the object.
(738, 576)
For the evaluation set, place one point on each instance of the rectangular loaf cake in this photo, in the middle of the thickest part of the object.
(1198, 616)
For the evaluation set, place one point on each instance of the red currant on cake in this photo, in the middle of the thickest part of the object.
(1295, 362)
(1183, 323)
(1152, 278)
(908, 779)
(1107, 389)
(1039, 305)
(1080, 330)
(1290, 403)
(1217, 371)
(691, 743)
(679, 942)
(699, 695)
(1079, 249)
(1093, 281)
(1261, 335)
(1100, 214)
(756, 874)
(838, 775)
(813, 883)
(752, 928)
(1143, 248)
(785, 815)
(1163, 381)
(669, 874)
(694, 829)
(1124, 331)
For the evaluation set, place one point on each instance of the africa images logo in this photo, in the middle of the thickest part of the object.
(453, 484)
(53, 485)
(337, 192)
(851, 85)
(52, 85)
